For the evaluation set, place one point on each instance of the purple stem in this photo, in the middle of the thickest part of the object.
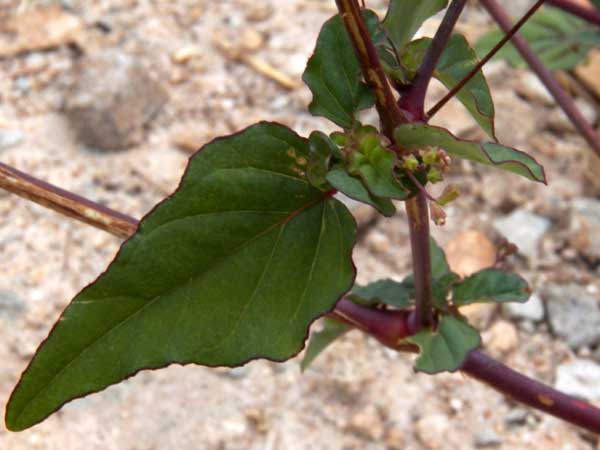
(413, 100)
(589, 14)
(531, 392)
(562, 98)
(484, 60)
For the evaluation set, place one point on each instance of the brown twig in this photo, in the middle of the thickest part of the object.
(373, 73)
(66, 202)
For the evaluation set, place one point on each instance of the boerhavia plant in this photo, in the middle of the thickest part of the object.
(258, 207)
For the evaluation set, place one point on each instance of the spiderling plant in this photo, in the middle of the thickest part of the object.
(253, 246)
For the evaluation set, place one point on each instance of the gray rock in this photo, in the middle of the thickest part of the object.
(11, 305)
(516, 417)
(580, 378)
(112, 100)
(524, 229)
(532, 309)
(585, 226)
(10, 138)
(573, 314)
(487, 437)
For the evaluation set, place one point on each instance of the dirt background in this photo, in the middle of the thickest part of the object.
(220, 66)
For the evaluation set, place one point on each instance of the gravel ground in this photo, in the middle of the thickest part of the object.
(357, 395)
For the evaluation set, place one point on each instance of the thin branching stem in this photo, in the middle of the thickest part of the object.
(413, 100)
(587, 13)
(456, 89)
(546, 76)
(66, 202)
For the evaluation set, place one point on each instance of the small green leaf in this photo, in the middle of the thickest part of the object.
(333, 75)
(560, 39)
(491, 285)
(415, 136)
(388, 292)
(457, 61)
(355, 189)
(376, 168)
(320, 340)
(439, 264)
(405, 17)
(234, 266)
(445, 349)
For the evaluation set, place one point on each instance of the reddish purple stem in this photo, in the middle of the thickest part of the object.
(591, 15)
(551, 83)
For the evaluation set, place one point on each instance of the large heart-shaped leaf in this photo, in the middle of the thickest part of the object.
(457, 61)
(333, 75)
(234, 266)
(446, 348)
(416, 136)
(405, 17)
(560, 39)
(491, 285)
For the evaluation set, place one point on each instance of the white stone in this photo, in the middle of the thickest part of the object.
(524, 229)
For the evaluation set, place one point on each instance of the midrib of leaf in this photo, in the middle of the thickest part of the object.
(152, 301)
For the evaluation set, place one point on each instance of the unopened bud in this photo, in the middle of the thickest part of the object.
(434, 175)
(431, 157)
(450, 194)
(438, 215)
(411, 163)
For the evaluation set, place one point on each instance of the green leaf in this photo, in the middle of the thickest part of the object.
(439, 264)
(388, 292)
(491, 285)
(561, 40)
(376, 167)
(447, 348)
(319, 341)
(457, 60)
(415, 136)
(234, 266)
(405, 17)
(441, 274)
(355, 189)
(333, 75)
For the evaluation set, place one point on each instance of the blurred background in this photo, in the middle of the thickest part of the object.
(110, 98)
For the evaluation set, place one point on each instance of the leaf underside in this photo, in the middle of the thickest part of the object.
(388, 292)
(234, 266)
(415, 136)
